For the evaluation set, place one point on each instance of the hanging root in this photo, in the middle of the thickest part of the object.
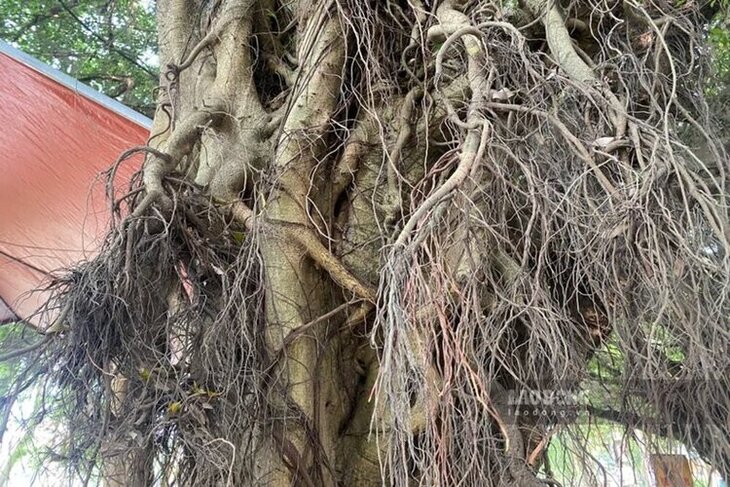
(403, 217)
(161, 346)
(582, 228)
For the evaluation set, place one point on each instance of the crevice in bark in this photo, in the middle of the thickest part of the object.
(360, 225)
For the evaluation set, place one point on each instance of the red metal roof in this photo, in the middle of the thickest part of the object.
(57, 135)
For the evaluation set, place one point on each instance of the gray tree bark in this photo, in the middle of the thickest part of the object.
(361, 226)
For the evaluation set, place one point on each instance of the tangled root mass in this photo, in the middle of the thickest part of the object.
(499, 198)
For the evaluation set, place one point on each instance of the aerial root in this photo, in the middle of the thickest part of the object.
(310, 243)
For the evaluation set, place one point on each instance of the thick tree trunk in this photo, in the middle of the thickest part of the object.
(362, 226)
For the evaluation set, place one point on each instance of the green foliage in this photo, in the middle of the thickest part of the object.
(108, 44)
(604, 453)
(28, 430)
(13, 336)
(598, 453)
(719, 38)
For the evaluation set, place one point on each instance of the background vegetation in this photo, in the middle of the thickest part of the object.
(111, 45)
(108, 44)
